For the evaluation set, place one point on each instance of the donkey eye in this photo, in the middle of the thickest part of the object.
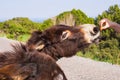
(64, 35)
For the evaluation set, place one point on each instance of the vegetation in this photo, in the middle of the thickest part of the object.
(20, 28)
(81, 18)
(78, 17)
(107, 50)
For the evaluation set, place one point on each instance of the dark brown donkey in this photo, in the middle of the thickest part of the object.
(37, 59)
(64, 41)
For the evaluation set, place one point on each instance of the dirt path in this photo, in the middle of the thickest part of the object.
(78, 68)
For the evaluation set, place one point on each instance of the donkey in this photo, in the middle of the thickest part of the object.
(64, 41)
(36, 60)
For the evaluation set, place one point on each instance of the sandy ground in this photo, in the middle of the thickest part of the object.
(78, 68)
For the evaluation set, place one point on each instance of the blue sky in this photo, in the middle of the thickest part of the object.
(50, 8)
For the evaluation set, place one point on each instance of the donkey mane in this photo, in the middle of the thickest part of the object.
(22, 64)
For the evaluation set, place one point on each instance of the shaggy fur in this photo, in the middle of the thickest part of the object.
(24, 65)
(37, 59)
(62, 41)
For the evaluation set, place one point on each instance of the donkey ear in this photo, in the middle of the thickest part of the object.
(35, 41)
(40, 45)
(65, 34)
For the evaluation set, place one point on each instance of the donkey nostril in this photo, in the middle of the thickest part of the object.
(96, 29)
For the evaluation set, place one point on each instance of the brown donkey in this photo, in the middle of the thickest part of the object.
(37, 59)
(64, 41)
